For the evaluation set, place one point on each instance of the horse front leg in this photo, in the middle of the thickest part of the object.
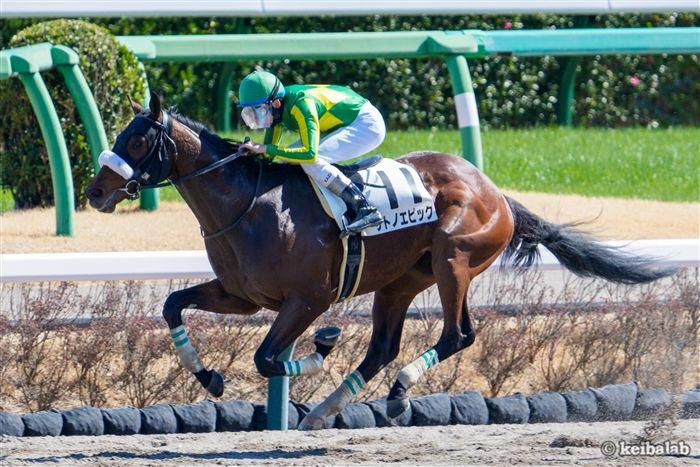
(295, 316)
(209, 296)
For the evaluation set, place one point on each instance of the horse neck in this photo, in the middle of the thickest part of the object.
(215, 198)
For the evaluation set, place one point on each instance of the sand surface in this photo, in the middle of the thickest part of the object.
(448, 445)
(173, 226)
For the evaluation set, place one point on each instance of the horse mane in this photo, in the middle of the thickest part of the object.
(187, 121)
(221, 146)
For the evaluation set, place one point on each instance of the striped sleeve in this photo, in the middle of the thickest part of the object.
(306, 117)
(273, 134)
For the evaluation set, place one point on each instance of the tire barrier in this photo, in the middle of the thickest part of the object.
(548, 407)
(122, 421)
(432, 410)
(469, 408)
(616, 401)
(381, 419)
(612, 402)
(508, 409)
(581, 406)
(158, 419)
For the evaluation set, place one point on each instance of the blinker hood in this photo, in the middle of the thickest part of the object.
(155, 166)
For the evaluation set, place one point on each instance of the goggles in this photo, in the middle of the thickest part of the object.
(258, 117)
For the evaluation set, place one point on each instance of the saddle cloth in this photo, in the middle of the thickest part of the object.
(394, 188)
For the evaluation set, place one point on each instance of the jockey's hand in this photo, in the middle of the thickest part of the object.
(253, 148)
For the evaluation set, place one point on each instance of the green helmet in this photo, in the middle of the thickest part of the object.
(259, 87)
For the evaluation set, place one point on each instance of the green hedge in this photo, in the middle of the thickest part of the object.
(512, 92)
(112, 74)
(612, 91)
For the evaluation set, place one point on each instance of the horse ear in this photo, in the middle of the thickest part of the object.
(135, 106)
(155, 106)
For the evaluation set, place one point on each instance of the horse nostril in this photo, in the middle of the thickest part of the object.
(95, 193)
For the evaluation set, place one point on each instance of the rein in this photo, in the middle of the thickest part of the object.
(248, 209)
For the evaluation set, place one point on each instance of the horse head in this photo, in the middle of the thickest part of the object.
(143, 154)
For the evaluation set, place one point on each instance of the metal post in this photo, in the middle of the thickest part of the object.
(467, 111)
(278, 396)
(565, 96)
(66, 60)
(149, 198)
(225, 84)
(223, 97)
(61, 177)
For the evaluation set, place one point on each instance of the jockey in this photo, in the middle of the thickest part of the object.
(334, 124)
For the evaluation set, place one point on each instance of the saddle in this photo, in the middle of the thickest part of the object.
(362, 164)
(395, 189)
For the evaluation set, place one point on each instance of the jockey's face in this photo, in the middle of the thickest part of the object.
(258, 116)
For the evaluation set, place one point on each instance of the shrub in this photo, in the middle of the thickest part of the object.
(625, 90)
(112, 73)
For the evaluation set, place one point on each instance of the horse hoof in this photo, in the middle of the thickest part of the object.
(311, 422)
(396, 407)
(216, 385)
(327, 336)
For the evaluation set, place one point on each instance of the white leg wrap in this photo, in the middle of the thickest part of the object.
(306, 366)
(188, 355)
(410, 374)
(338, 399)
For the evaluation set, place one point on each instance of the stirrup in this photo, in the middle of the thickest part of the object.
(372, 219)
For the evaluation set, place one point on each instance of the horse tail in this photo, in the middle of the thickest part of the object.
(576, 251)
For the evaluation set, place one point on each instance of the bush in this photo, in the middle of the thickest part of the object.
(112, 74)
(627, 90)
(119, 351)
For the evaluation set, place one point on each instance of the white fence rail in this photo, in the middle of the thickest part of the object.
(247, 8)
(147, 265)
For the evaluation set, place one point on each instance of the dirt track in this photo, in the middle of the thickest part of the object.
(173, 227)
(449, 445)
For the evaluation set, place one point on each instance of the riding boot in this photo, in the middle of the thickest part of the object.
(361, 214)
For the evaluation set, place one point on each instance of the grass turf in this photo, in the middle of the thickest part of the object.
(657, 164)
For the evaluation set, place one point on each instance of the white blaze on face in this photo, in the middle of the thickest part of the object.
(117, 164)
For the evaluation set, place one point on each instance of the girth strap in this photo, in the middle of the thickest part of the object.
(354, 256)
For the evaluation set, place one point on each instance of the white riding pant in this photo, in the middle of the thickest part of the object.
(364, 134)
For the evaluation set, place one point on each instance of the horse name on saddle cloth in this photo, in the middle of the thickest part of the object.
(395, 189)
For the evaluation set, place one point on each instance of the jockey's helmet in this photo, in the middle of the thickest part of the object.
(259, 87)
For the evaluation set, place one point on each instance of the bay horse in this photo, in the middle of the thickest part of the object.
(271, 245)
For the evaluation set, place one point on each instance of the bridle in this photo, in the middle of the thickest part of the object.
(159, 159)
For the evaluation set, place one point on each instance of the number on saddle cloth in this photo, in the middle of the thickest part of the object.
(394, 188)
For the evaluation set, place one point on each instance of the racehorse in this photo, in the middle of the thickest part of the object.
(271, 245)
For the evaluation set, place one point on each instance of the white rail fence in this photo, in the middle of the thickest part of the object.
(250, 8)
(152, 265)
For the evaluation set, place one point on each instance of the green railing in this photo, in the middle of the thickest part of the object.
(27, 63)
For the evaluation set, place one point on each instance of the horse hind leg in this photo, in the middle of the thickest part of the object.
(209, 296)
(457, 333)
(388, 315)
(464, 245)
